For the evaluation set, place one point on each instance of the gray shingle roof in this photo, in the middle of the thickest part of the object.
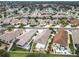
(75, 36)
(43, 36)
(26, 37)
(8, 36)
(7, 20)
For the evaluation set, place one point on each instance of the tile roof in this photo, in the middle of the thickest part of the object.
(74, 21)
(61, 37)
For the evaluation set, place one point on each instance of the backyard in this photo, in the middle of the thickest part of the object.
(24, 54)
(16, 48)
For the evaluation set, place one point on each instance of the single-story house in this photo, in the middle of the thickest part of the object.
(41, 39)
(60, 41)
(26, 37)
(75, 37)
(9, 36)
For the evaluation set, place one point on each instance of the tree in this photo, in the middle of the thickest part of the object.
(0, 43)
(21, 25)
(5, 14)
(77, 52)
(29, 17)
(0, 16)
(40, 7)
(3, 53)
(15, 12)
(51, 17)
(10, 28)
(36, 19)
(63, 22)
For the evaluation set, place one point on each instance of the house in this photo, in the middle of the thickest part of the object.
(41, 39)
(75, 37)
(14, 21)
(41, 21)
(32, 22)
(61, 38)
(1, 21)
(9, 36)
(26, 37)
(24, 21)
(7, 21)
(73, 21)
(60, 42)
(53, 22)
(2, 31)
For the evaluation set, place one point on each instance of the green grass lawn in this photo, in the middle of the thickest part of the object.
(45, 55)
(18, 49)
(20, 54)
(13, 54)
(15, 48)
(63, 22)
(71, 46)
